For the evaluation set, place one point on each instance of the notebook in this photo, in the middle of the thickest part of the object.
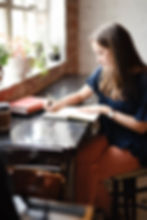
(72, 113)
(27, 105)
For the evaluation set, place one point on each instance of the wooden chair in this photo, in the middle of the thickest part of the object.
(124, 186)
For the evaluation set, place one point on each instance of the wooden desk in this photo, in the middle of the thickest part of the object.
(54, 139)
(35, 133)
(42, 135)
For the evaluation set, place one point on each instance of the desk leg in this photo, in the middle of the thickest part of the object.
(70, 174)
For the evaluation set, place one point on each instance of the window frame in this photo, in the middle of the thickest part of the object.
(9, 6)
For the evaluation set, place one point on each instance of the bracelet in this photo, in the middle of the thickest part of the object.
(111, 113)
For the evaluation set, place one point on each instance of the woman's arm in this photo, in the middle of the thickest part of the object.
(129, 121)
(122, 118)
(72, 99)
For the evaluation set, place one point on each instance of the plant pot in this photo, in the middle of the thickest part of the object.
(21, 66)
(55, 57)
(26, 66)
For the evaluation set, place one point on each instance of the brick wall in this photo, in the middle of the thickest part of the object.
(39, 82)
(72, 36)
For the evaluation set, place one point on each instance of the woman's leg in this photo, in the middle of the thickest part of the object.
(87, 155)
(114, 161)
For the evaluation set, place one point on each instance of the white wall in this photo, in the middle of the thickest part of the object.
(131, 13)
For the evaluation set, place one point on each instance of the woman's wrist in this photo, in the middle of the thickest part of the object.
(109, 112)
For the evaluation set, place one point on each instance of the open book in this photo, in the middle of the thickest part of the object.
(72, 113)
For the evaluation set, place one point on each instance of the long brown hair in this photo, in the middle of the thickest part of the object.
(128, 62)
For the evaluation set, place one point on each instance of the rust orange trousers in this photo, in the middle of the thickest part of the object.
(96, 161)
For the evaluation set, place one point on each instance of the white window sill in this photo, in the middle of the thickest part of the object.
(10, 79)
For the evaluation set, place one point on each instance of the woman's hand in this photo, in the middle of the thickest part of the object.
(72, 99)
(55, 106)
(99, 109)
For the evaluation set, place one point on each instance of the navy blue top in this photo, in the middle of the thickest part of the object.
(116, 133)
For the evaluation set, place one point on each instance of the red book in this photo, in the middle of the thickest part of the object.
(27, 105)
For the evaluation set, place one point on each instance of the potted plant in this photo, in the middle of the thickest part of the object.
(4, 56)
(55, 53)
(39, 49)
(41, 63)
(40, 57)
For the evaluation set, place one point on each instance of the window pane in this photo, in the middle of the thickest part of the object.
(29, 3)
(41, 27)
(25, 3)
(57, 21)
(31, 26)
(18, 29)
(41, 4)
(19, 2)
(3, 25)
(57, 24)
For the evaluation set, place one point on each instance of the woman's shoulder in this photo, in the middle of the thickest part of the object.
(93, 79)
(97, 72)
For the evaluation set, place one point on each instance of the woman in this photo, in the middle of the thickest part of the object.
(120, 82)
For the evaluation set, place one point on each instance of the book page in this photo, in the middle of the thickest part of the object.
(72, 113)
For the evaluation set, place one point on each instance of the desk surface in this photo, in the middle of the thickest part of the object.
(46, 135)
(36, 133)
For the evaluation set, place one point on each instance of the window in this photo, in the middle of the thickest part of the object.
(23, 19)
(57, 27)
(34, 21)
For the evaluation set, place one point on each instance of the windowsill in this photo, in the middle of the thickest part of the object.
(10, 79)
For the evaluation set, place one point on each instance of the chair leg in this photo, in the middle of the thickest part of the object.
(133, 199)
(126, 185)
(115, 193)
(129, 197)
